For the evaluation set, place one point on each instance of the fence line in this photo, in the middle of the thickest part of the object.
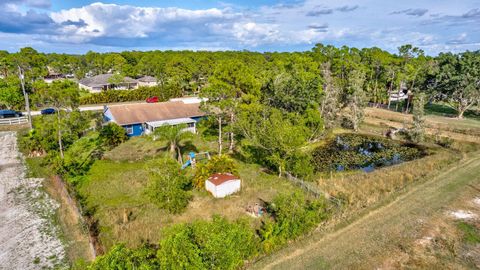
(13, 121)
(314, 191)
(304, 185)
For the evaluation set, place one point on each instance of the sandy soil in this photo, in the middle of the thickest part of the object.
(28, 235)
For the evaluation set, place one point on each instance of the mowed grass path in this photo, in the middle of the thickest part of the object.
(367, 241)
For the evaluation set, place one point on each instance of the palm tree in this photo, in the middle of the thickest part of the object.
(174, 135)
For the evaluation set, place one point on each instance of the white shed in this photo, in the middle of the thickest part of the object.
(222, 184)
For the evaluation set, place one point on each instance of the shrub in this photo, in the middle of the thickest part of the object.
(217, 244)
(294, 215)
(178, 241)
(79, 157)
(112, 135)
(141, 93)
(168, 185)
(122, 258)
(445, 142)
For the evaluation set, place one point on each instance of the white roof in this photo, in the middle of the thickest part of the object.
(189, 100)
(171, 122)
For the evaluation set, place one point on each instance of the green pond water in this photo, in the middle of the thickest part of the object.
(363, 152)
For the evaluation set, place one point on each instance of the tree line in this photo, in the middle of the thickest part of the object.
(289, 78)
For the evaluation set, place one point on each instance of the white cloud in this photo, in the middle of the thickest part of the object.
(432, 25)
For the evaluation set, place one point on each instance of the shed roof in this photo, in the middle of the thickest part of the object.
(127, 114)
(220, 178)
(103, 79)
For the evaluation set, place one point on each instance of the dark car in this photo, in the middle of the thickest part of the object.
(48, 111)
(9, 113)
(152, 99)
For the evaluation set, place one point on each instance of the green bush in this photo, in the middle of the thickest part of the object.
(217, 244)
(122, 258)
(168, 185)
(177, 249)
(79, 157)
(294, 215)
(112, 135)
(141, 93)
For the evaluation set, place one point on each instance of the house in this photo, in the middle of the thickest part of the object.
(144, 118)
(222, 184)
(147, 81)
(53, 76)
(103, 82)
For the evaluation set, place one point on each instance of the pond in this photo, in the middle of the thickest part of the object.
(363, 152)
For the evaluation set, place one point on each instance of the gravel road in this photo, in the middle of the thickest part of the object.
(28, 236)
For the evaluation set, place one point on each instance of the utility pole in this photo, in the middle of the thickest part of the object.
(21, 75)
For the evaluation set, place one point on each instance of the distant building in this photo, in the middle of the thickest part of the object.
(103, 82)
(147, 81)
(144, 118)
(53, 76)
(221, 185)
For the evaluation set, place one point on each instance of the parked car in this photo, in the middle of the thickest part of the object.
(153, 99)
(9, 114)
(48, 111)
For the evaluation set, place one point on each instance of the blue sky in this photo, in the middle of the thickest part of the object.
(77, 26)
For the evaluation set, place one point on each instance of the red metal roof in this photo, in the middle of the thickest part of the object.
(148, 112)
(220, 178)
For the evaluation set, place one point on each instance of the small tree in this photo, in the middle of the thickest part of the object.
(10, 94)
(63, 96)
(356, 99)
(112, 135)
(174, 135)
(417, 133)
(116, 79)
(330, 105)
(168, 185)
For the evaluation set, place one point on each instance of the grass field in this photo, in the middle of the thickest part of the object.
(433, 121)
(361, 243)
(116, 186)
(459, 129)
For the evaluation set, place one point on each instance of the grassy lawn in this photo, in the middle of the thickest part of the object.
(458, 129)
(444, 110)
(114, 187)
(143, 147)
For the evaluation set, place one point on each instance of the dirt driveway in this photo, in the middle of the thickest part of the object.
(28, 236)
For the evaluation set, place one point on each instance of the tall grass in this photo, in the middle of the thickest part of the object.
(358, 190)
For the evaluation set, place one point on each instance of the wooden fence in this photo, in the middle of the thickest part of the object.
(14, 121)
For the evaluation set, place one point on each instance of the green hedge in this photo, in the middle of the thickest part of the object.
(142, 93)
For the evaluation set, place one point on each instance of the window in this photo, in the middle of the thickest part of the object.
(129, 130)
(190, 125)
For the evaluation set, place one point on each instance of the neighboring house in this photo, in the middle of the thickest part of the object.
(221, 185)
(53, 76)
(103, 82)
(147, 81)
(144, 118)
